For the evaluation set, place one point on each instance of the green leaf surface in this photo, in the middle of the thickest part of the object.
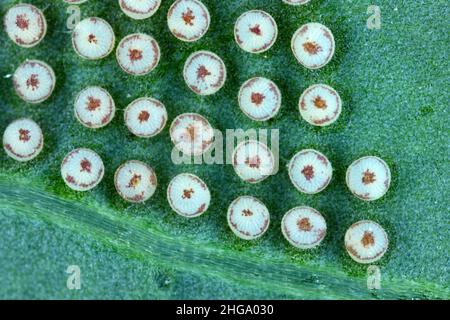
(393, 82)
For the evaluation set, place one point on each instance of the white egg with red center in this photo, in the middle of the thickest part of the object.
(304, 227)
(320, 105)
(93, 38)
(255, 31)
(313, 45)
(204, 73)
(366, 241)
(296, 2)
(188, 195)
(310, 171)
(82, 169)
(138, 54)
(135, 181)
(145, 117)
(34, 81)
(188, 20)
(23, 140)
(192, 134)
(25, 25)
(253, 161)
(259, 99)
(94, 107)
(139, 9)
(248, 217)
(368, 178)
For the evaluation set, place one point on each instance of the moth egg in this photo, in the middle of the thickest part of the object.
(248, 217)
(25, 25)
(93, 38)
(138, 54)
(304, 227)
(75, 1)
(34, 81)
(188, 195)
(82, 169)
(204, 73)
(135, 181)
(23, 140)
(368, 178)
(320, 105)
(253, 161)
(259, 99)
(313, 45)
(192, 134)
(296, 2)
(188, 20)
(139, 9)
(94, 107)
(366, 241)
(145, 117)
(255, 31)
(310, 171)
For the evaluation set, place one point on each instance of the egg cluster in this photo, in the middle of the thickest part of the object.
(204, 73)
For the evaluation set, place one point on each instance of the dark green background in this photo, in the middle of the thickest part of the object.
(394, 84)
